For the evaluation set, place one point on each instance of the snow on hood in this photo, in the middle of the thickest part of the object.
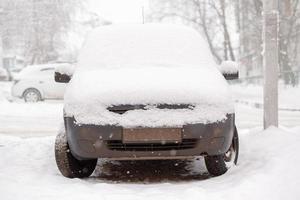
(90, 93)
(146, 64)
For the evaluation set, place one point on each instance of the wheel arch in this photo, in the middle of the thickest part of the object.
(33, 88)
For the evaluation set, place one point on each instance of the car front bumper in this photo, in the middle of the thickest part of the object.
(96, 141)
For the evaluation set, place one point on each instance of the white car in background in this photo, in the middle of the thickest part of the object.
(36, 83)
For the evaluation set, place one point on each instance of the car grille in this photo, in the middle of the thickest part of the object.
(121, 109)
(117, 145)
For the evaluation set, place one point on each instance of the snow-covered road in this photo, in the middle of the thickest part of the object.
(267, 169)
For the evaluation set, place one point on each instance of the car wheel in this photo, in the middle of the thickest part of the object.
(32, 95)
(219, 164)
(67, 164)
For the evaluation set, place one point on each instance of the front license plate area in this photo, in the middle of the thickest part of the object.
(152, 135)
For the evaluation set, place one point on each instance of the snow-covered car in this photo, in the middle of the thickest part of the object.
(35, 83)
(146, 92)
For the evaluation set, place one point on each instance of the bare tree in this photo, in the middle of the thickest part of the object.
(289, 10)
(36, 28)
(250, 23)
(207, 16)
(220, 8)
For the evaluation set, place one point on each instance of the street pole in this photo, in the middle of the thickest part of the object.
(270, 62)
(1, 52)
(143, 14)
(1, 44)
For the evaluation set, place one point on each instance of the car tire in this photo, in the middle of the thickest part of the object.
(219, 164)
(67, 164)
(32, 95)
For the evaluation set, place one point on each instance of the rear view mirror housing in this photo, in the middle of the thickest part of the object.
(229, 69)
(63, 73)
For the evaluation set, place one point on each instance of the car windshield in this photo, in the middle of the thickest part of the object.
(144, 46)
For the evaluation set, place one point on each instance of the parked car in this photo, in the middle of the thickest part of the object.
(146, 92)
(36, 83)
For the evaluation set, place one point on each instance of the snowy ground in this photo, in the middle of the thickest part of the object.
(253, 94)
(268, 164)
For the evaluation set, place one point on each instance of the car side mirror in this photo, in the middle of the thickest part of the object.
(63, 73)
(229, 69)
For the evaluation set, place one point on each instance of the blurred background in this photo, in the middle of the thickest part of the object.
(49, 31)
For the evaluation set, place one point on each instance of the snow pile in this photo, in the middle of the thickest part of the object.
(268, 169)
(90, 93)
(228, 67)
(147, 64)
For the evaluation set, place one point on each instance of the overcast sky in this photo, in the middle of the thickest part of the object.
(119, 11)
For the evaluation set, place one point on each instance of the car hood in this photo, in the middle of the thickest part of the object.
(90, 93)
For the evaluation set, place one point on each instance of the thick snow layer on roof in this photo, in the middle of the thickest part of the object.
(33, 70)
(147, 64)
(229, 67)
(140, 45)
(67, 69)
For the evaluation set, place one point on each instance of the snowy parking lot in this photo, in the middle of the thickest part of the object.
(149, 99)
(268, 164)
